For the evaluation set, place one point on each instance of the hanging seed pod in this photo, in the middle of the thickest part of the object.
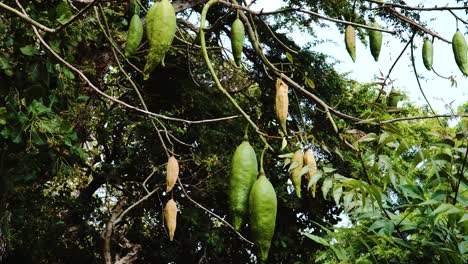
(135, 34)
(237, 40)
(172, 172)
(427, 54)
(350, 41)
(296, 176)
(309, 160)
(460, 51)
(281, 103)
(262, 209)
(375, 41)
(170, 216)
(160, 30)
(244, 171)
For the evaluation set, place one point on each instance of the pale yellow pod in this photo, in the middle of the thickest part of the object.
(170, 216)
(281, 103)
(296, 176)
(350, 41)
(309, 160)
(172, 170)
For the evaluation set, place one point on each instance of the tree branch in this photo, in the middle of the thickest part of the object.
(211, 213)
(286, 10)
(415, 24)
(419, 118)
(407, 7)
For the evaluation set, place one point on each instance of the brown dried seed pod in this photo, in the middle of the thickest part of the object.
(281, 103)
(172, 170)
(170, 216)
(309, 160)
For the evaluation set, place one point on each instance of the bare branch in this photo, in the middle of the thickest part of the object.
(26, 18)
(407, 7)
(211, 213)
(286, 10)
(117, 220)
(409, 118)
(415, 24)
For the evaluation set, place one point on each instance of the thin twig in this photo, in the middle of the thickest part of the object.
(419, 83)
(119, 218)
(415, 24)
(76, 16)
(419, 118)
(407, 7)
(395, 62)
(277, 39)
(213, 214)
(132, 83)
(26, 18)
(286, 10)
(213, 73)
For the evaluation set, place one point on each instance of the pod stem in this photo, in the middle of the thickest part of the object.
(262, 172)
(246, 133)
(213, 73)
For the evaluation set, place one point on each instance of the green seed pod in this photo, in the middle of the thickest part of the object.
(244, 171)
(375, 41)
(296, 176)
(393, 98)
(135, 34)
(161, 28)
(459, 51)
(262, 209)
(427, 54)
(350, 41)
(237, 40)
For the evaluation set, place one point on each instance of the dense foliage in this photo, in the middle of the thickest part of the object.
(84, 139)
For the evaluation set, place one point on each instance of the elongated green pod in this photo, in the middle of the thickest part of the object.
(427, 54)
(244, 171)
(296, 176)
(134, 36)
(460, 51)
(350, 41)
(375, 41)
(262, 209)
(161, 28)
(237, 40)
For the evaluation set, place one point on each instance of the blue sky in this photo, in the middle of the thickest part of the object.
(365, 69)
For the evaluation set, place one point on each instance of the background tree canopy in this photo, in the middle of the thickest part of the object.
(85, 139)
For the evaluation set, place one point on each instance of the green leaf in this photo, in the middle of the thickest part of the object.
(441, 208)
(310, 83)
(284, 143)
(337, 194)
(315, 178)
(414, 191)
(28, 50)
(368, 138)
(326, 186)
(317, 239)
(328, 169)
(304, 170)
(287, 155)
(378, 225)
(68, 73)
(464, 218)
(289, 57)
(347, 201)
